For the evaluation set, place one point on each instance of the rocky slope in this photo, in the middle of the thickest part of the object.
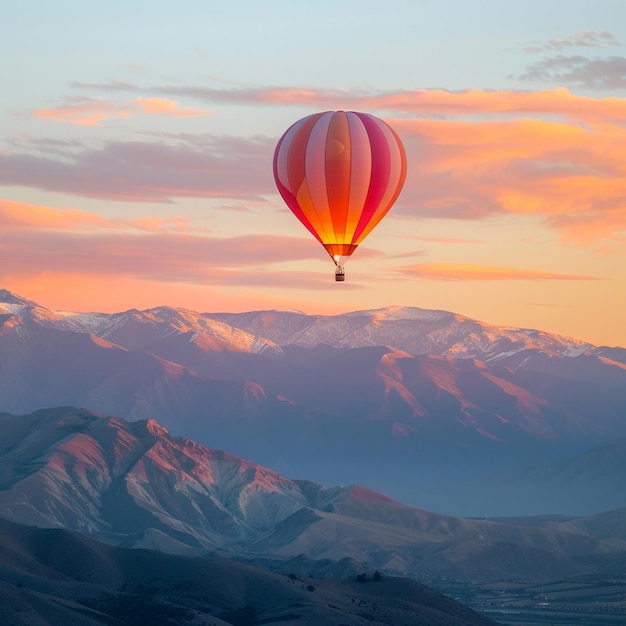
(132, 484)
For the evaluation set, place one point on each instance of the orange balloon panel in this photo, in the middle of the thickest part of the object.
(340, 172)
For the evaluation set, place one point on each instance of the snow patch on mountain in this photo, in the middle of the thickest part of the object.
(415, 330)
(138, 329)
(8, 297)
(10, 308)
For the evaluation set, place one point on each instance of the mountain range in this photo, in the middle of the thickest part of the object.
(132, 484)
(434, 409)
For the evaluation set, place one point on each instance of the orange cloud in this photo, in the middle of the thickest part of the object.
(93, 112)
(22, 215)
(459, 271)
(84, 114)
(560, 102)
(19, 216)
(573, 175)
(164, 106)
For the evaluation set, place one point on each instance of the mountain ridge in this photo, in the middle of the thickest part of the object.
(295, 327)
(132, 484)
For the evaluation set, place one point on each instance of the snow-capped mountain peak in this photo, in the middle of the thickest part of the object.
(8, 297)
(414, 330)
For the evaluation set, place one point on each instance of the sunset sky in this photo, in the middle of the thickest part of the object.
(136, 144)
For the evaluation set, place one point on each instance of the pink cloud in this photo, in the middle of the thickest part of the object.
(36, 240)
(430, 102)
(459, 271)
(450, 240)
(173, 223)
(222, 167)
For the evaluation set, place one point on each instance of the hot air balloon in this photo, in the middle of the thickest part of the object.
(340, 172)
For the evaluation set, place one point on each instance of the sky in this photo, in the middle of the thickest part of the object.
(136, 146)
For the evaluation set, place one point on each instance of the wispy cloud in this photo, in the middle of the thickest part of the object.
(445, 240)
(224, 167)
(458, 271)
(87, 113)
(581, 39)
(579, 71)
(21, 215)
(420, 102)
(165, 106)
(24, 217)
(92, 112)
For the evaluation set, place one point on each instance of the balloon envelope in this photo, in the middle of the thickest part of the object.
(340, 172)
